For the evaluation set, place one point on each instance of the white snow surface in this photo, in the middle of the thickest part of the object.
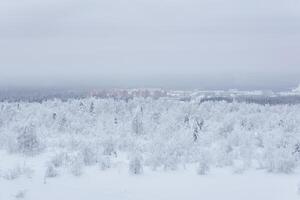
(117, 183)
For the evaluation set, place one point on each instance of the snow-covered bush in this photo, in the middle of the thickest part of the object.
(76, 169)
(59, 159)
(12, 174)
(76, 165)
(27, 141)
(239, 167)
(16, 172)
(109, 147)
(137, 122)
(203, 168)
(105, 163)
(135, 165)
(280, 160)
(51, 171)
(21, 194)
(203, 163)
(89, 155)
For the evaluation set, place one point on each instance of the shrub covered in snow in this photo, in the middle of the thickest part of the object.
(135, 165)
(203, 163)
(21, 194)
(105, 162)
(16, 172)
(27, 141)
(51, 171)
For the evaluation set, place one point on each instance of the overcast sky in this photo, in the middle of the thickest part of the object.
(206, 44)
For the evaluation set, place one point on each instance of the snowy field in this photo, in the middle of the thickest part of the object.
(117, 183)
(149, 148)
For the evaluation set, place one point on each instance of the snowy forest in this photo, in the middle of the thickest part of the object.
(158, 132)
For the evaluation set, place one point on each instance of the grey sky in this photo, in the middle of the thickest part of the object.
(150, 43)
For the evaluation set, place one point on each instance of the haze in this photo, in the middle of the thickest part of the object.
(207, 44)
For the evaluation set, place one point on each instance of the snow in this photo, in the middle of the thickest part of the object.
(117, 183)
(144, 148)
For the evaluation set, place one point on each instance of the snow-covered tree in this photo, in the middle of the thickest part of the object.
(27, 141)
(135, 165)
(137, 122)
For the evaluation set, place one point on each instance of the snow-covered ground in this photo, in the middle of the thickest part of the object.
(117, 183)
(148, 148)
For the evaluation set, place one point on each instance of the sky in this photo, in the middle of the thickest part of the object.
(182, 44)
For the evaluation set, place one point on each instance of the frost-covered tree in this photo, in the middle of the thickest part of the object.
(27, 141)
(92, 107)
(135, 165)
(104, 162)
(51, 171)
(137, 122)
(76, 165)
(203, 162)
(197, 127)
(89, 155)
(109, 148)
(203, 168)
